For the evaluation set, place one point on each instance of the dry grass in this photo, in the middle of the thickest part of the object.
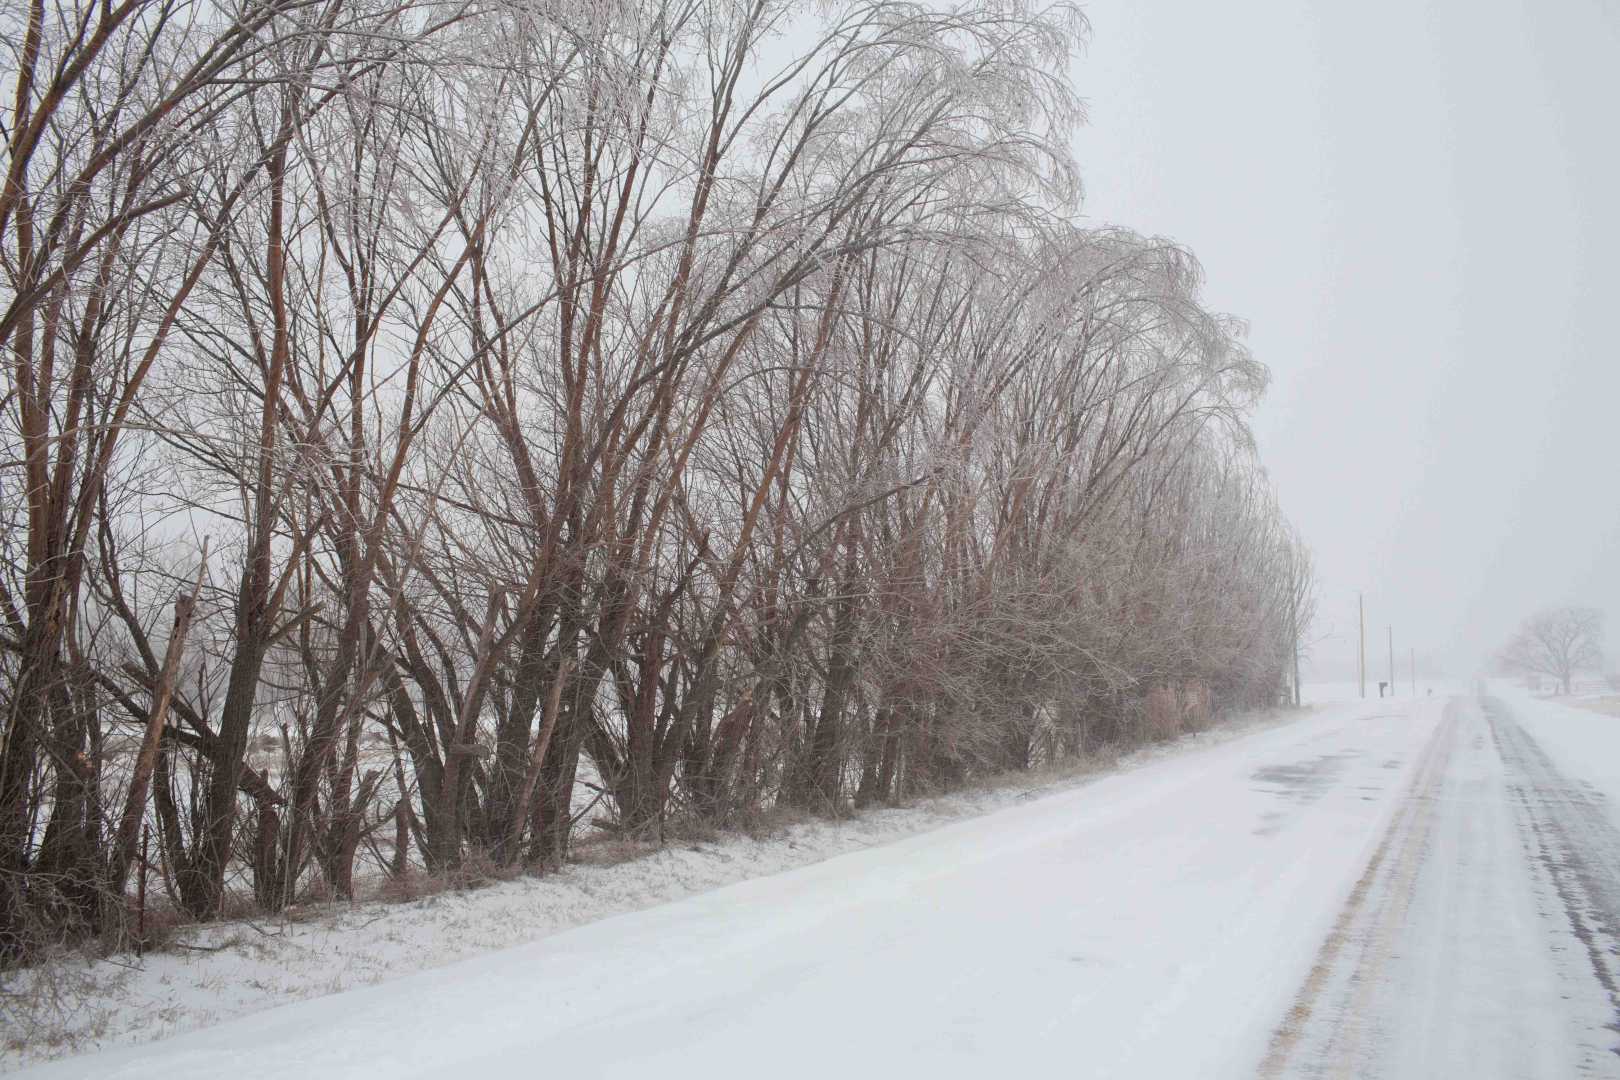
(767, 822)
(61, 1003)
(477, 870)
(610, 849)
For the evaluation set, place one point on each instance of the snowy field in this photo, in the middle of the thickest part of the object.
(1413, 888)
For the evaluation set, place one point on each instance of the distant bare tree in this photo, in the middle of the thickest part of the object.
(1556, 643)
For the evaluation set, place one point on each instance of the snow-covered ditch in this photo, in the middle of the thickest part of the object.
(207, 974)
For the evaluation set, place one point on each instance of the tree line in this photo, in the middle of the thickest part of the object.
(429, 424)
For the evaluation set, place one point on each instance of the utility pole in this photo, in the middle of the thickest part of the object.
(1361, 649)
(1391, 661)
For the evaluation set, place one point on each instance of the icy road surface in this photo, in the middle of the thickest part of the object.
(1411, 889)
(1481, 939)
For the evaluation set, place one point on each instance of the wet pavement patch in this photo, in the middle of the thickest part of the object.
(1299, 783)
(1302, 781)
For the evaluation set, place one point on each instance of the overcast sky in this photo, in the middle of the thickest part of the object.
(1416, 205)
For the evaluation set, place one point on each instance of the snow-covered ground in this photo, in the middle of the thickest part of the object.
(1349, 692)
(222, 971)
(1152, 923)
(1411, 888)
(1585, 745)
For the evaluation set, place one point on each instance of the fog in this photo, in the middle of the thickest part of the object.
(1413, 206)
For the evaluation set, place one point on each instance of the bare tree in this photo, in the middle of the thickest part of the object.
(1556, 643)
(594, 410)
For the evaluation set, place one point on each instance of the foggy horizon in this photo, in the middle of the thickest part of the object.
(1410, 205)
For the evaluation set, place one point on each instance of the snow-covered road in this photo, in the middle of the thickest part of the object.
(1400, 889)
(1480, 940)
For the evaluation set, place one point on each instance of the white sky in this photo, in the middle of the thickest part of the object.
(1417, 206)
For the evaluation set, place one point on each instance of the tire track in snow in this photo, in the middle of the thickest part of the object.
(1483, 937)
(1362, 935)
(1569, 833)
